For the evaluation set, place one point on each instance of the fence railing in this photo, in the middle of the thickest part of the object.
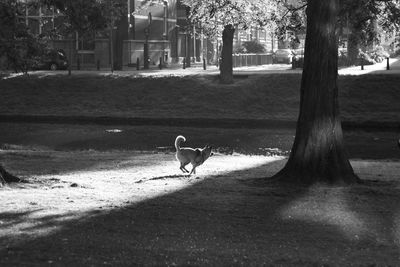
(242, 60)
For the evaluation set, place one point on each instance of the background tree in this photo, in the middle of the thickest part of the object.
(290, 17)
(365, 19)
(21, 48)
(318, 153)
(216, 17)
(111, 12)
(86, 17)
(82, 16)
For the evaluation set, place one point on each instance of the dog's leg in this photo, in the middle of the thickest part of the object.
(193, 170)
(183, 169)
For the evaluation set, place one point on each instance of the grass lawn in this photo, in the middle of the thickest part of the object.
(367, 98)
(122, 207)
(125, 208)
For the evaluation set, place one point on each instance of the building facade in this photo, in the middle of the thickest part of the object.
(164, 27)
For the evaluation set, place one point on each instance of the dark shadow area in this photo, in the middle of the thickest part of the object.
(10, 218)
(221, 221)
(89, 139)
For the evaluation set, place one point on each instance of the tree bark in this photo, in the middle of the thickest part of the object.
(226, 69)
(6, 177)
(318, 153)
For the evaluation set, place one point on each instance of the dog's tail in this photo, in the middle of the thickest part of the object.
(178, 141)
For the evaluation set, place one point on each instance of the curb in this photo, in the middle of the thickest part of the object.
(188, 122)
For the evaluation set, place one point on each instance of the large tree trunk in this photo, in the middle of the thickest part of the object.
(226, 54)
(6, 177)
(318, 153)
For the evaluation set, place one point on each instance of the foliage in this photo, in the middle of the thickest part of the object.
(378, 54)
(367, 19)
(112, 10)
(242, 14)
(290, 16)
(395, 53)
(364, 59)
(82, 15)
(21, 48)
(86, 16)
(294, 42)
(251, 47)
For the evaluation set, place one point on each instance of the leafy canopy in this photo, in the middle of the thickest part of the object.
(213, 15)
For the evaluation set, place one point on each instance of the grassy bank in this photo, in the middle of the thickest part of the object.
(271, 97)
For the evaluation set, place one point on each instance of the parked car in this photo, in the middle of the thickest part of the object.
(283, 56)
(53, 60)
(299, 52)
(298, 57)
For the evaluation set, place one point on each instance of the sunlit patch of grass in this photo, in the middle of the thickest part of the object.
(351, 210)
(53, 200)
(327, 206)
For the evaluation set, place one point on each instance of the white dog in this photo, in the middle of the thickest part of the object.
(187, 155)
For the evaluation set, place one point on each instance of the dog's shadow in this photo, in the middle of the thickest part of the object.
(173, 176)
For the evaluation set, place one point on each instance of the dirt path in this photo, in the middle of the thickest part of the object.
(135, 208)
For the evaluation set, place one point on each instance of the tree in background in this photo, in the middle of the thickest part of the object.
(290, 17)
(86, 17)
(365, 20)
(82, 16)
(216, 17)
(21, 48)
(111, 12)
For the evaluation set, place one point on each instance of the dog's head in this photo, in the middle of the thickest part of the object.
(207, 152)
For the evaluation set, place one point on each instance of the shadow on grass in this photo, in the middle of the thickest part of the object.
(223, 220)
(170, 177)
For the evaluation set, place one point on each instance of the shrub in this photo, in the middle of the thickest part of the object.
(364, 58)
(378, 54)
(395, 53)
(251, 47)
